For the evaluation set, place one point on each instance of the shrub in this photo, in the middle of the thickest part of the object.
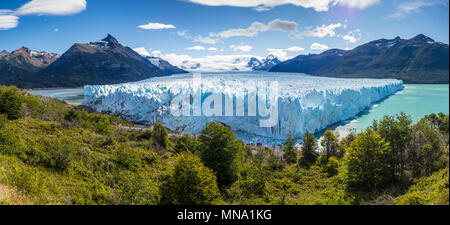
(11, 102)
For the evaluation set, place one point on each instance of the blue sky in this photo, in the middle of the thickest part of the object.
(179, 29)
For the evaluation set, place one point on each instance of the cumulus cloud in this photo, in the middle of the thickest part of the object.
(196, 48)
(264, 5)
(156, 26)
(319, 32)
(318, 46)
(257, 27)
(7, 20)
(352, 36)
(52, 7)
(242, 48)
(212, 49)
(410, 7)
(142, 51)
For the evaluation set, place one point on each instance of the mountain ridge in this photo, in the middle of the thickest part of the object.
(102, 62)
(416, 60)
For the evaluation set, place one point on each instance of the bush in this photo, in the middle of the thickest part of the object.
(191, 183)
(11, 102)
(331, 166)
(60, 154)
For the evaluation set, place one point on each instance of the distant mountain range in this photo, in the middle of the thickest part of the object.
(417, 60)
(102, 62)
(265, 64)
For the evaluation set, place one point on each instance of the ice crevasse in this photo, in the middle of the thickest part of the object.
(304, 102)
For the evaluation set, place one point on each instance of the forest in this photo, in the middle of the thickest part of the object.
(53, 153)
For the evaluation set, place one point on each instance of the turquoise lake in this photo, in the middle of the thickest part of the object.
(417, 100)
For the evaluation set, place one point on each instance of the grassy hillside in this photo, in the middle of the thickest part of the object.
(54, 153)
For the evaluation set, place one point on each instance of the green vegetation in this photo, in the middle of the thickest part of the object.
(53, 153)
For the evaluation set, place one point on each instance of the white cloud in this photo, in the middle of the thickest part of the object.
(264, 5)
(242, 48)
(212, 49)
(52, 7)
(317, 46)
(196, 48)
(319, 32)
(352, 36)
(156, 26)
(282, 54)
(7, 20)
(205, 40)
(410, 7)
(142, 51)
(257, 27)
(10, 19)
(360, 4)
(279, 53)
(182, 33)
(295, 49)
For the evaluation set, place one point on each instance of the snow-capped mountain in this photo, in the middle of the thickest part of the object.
(164, 65)
(265, 64)
(416, 60)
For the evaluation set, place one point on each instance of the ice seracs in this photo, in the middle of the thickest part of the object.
(304, 102)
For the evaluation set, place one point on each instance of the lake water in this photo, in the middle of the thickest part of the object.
(417, 100)
(72, 96)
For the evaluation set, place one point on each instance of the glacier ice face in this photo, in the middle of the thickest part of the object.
(304, 102)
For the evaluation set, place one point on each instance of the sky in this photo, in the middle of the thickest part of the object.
(218, 31)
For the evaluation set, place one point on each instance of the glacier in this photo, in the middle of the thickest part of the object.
(303, 102)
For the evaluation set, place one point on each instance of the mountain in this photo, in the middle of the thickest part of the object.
(265, 65)
(96, 63)
(164, 66)
(102, 62)
(18, 64)
(416, 60)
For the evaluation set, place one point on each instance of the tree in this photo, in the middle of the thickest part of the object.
(221, 152)
(368, 167)
(330, 144)
(191, 183)
(161, 135)
(290, 152)
(11, 102)
(425, 151)
(309, 153)
(398, 132)
(184, 144)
